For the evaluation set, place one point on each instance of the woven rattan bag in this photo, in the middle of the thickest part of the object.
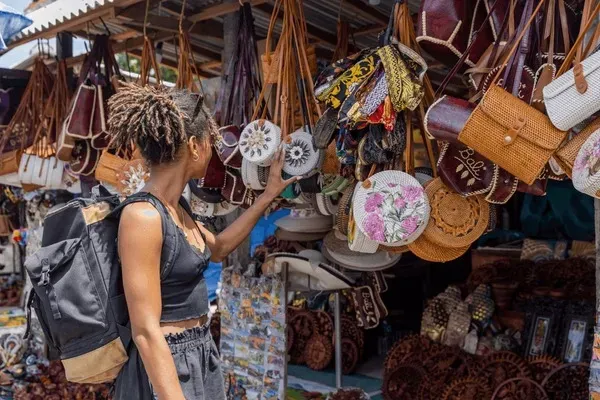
(512, 134)
(566, 155)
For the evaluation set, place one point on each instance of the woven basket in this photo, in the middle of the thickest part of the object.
(344, 208)
(108, 167)
(455, 221)
(429, 251)
(270, 64)
(566, 155)
(512, 134)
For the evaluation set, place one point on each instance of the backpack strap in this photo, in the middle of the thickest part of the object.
(170, 247)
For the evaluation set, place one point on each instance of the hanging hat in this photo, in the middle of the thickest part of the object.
(259, 141)
(391, 208)
(224, 208)
(201, 208)
(206, 194)
(336, 250)
(455, 221)
(281, 234)
(586, 169)
(325, 205)
(301, 156)
(304, 274)
(313, 255)
(305, 220)
(344, 209)
(254, 176)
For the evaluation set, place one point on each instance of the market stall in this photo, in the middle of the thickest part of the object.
(438, 242)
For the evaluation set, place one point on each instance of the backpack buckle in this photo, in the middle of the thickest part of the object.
(45, 277)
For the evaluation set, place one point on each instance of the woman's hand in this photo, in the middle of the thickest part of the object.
(276, 183)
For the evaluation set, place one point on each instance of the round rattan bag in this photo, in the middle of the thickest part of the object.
(301, 156)
(391, 208)
(586, 169)
(455, 221)
(259, 142)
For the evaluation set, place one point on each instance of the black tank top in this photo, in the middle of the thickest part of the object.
(183, 289)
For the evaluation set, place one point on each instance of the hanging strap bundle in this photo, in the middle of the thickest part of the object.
(290, 67)
(22, 129)
(240, 85)
(187, 71)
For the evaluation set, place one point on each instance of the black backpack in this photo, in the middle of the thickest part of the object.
(78, 291)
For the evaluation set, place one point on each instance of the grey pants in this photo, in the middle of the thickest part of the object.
(197, 363)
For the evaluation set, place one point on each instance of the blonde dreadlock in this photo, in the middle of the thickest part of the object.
(159, 121)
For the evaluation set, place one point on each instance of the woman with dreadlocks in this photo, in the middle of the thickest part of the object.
(174, 356)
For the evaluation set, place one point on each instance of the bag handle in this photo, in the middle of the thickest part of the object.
(465, 54)
(575, 54)
(517, 42)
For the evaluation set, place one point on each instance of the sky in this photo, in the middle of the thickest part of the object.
(20, 53)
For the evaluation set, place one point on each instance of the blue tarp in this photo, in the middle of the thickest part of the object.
(11, 23)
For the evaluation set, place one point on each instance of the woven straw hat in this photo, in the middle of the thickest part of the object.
(325, 205)
(305, 220)
(305, 274)
(586, 169)
(301, 156)
(259, 141)
(344, 209)
(201, 208)
(254, 176)
(337, 251)
(455, 221)
(429, 251)
(358, 241)
(391, 208)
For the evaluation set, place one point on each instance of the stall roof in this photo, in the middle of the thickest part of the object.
(123, 19)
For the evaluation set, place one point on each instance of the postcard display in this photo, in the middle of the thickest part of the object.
(253, 340)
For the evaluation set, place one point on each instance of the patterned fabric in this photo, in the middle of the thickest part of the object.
(405, 89)
(349, 81)
(332, 72)
(375, 97)
(384, 115)
(394, 212)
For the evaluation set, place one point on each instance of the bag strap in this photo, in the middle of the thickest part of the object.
(465, 54)
(575, 54)
(169, 228)
(525, 29)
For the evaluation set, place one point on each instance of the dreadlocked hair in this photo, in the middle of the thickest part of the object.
(158, 120)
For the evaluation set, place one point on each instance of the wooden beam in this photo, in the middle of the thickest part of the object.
(366, 10)
(220, 10)
(204, 73)
(129, 34)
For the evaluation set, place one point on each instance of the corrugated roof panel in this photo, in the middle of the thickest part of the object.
(57, 13)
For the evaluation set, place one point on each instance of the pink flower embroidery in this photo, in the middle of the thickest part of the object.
(399, 203)
(410, 224)
(412, 193)
(373, 201)
(374, 228)
(392, 185)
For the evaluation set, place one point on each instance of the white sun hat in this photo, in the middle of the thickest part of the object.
(586, 169)
(201, 208)
(305, 274)
(301, 156)
(338, 252)
(391, 208)
(260, 141)
(224, 208)
(305, 220)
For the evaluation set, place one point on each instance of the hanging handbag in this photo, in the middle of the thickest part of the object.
(566, 155)
(85, 158)
(226, 145)
(573, 96)
(509, 132)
